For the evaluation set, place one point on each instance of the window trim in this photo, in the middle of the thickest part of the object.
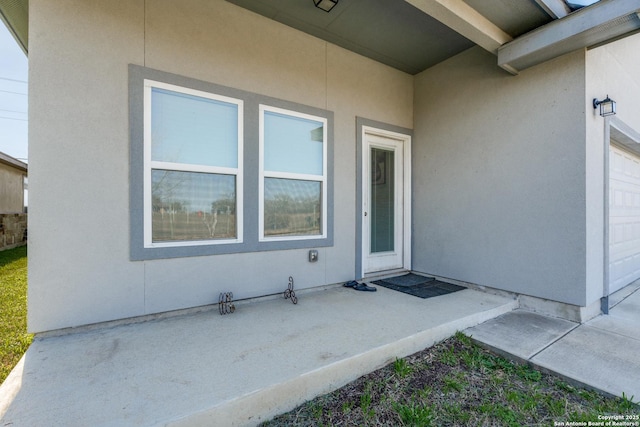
(150, 165)
(291, 175)
(250, 173)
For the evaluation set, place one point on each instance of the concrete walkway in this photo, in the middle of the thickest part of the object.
(603, 353)
(239, 369)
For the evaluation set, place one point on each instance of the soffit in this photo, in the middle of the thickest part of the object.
(389, 31)
(515, 17)
(15, 15)
(412, 35)
(395, 32)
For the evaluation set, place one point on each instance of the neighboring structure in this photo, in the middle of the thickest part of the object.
(13, 218)
(183, 149)
(13, 174)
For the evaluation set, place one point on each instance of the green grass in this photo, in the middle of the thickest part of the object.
(401, 367)
(14, 339)
(455, 383)
(412, 414)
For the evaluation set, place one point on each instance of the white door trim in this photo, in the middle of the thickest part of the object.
(406, 199)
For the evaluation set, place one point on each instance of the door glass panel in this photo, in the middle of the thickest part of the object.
(382, 200)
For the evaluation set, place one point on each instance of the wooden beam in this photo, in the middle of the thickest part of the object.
(465, 20)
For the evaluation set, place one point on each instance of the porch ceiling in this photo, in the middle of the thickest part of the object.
(413, 35)
(410, 35)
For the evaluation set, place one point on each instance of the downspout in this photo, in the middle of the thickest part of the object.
(604, 301)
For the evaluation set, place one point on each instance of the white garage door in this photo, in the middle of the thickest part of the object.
(624, 218)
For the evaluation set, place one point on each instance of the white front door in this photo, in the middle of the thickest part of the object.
(385, 201)
(624, 218)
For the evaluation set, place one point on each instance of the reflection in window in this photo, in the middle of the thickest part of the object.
(192, 206)
(292, 144)
(193, 129)
(292, 207)
(382, 200)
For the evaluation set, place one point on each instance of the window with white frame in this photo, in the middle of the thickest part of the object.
(192, 167)
(293, 175)
(218, 170)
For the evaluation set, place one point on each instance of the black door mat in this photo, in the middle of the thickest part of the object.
(426, 287)
(409, 279)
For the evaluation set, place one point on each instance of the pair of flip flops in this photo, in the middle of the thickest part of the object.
(359, 286)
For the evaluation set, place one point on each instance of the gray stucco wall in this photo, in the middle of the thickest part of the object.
(79, 269)
(499, 175)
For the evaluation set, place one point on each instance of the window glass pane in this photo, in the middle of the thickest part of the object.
(192, 206)
(193, 130)
(292, 207)
(292, 144)
(382, 200)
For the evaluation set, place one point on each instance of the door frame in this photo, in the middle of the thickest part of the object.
(364, 127)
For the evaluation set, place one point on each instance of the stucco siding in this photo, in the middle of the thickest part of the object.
(499, 167)
(79, 270)
(78, 143)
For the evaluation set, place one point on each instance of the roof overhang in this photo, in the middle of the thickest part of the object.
(13, 162)
(392, 32)
(600, 23)
(15, 15)
(556, 8)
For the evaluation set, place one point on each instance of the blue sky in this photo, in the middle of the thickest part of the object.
(13, 98)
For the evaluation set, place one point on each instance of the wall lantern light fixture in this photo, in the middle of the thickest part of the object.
(325, 5)
(607, 106)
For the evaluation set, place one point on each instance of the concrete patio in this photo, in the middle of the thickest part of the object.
(201, 368)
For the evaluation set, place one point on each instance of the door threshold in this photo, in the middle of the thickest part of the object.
(378, 275)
